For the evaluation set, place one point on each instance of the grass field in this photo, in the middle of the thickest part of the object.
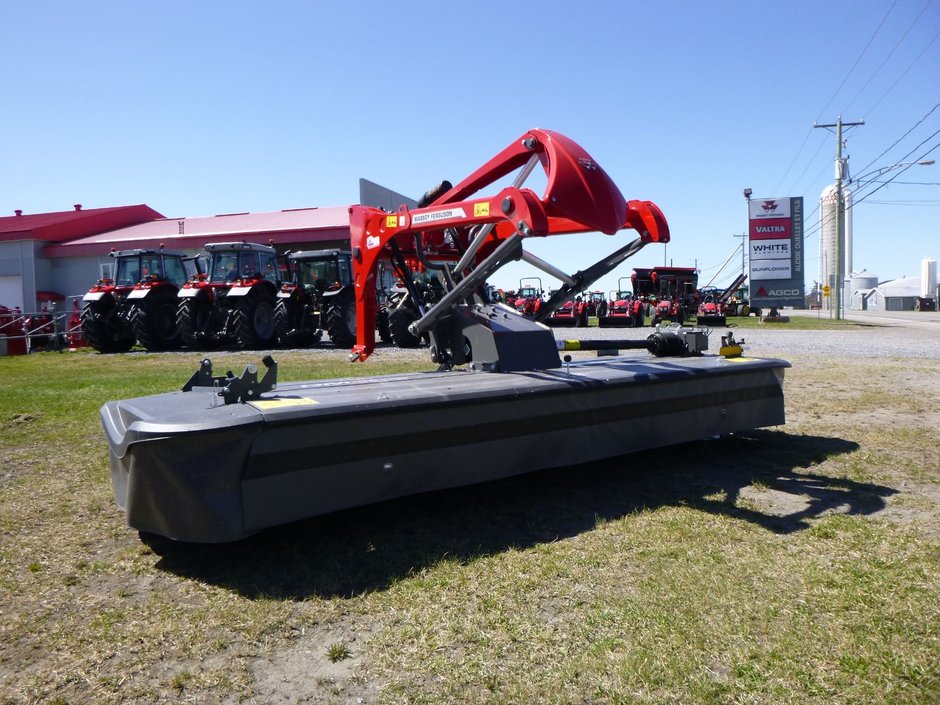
(790, 565)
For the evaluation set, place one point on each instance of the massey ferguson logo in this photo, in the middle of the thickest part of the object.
(769, 206)
(587, 164)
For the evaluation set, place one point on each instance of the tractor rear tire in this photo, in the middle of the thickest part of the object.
(194, 318)
(155, 321)
(255, 326)
(398, 322)
(292, 332)
(102, 329)
(341, 319)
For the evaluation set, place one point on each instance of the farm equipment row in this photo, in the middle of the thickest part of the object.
(247, 298)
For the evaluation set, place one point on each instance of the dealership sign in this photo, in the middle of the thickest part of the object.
(775, 246)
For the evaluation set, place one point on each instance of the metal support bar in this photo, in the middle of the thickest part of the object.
(539, 263)
(407, 278)
(584, 279)
(497, 259)
(488, 228)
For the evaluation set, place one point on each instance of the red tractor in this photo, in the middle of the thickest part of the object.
(573, 312)
(624, 310)
(710, 311)
(597, 303)
(139, 303)
(716, 304)
(234, 302)
(529, 297)
(672, 288)
(668, 309)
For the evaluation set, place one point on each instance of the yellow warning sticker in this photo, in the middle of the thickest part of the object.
(391, 221)
(481, 209)
(283, 402)
(733, 355)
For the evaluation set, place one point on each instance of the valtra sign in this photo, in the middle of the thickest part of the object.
(775, 245)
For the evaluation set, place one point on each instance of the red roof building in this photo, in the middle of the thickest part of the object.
(69, 225)
(28, 280)
(287, 229)
(55, 257)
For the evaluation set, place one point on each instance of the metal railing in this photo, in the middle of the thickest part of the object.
(49, 329)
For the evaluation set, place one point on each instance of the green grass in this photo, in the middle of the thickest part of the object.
(796, 565)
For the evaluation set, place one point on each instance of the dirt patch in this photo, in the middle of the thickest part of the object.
(326, 663)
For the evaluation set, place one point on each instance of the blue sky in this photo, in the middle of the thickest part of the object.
(198, 108)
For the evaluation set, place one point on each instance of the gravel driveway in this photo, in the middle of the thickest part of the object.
(875, 340)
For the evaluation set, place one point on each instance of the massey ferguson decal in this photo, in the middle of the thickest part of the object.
(775, 247)
(761, 208)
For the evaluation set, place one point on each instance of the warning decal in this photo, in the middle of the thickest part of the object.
(262, 404)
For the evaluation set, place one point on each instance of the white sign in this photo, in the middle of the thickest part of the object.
(769, 249)
(434, 216)
(760, 208)
(770, 269)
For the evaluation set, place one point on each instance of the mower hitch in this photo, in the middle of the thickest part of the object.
(234, 389)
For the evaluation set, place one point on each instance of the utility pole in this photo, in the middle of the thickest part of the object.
(840, 210)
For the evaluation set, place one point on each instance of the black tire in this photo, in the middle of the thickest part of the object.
(194, 318)
(292, 331)
(382, 325)
(341, 319)
(155, 321)
(255, 326)
(398, 322)
(103, 329)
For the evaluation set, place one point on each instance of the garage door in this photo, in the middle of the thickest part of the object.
(11, 292)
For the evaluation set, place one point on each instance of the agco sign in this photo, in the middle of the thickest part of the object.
(775, 246)
(778, 292)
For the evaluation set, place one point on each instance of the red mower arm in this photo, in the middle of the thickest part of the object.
(579, 197)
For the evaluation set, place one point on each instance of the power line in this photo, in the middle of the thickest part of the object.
(812, 231)
(832, 98)
(870, 40)
(898, 140)
(901, 171)
(906, 204)
(859, 197)
(726, 262)
(890, 53)
(903, 73)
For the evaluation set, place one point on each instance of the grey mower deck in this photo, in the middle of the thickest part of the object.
(186, 466)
